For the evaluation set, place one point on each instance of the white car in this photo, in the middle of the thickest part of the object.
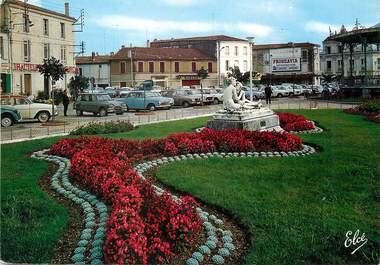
(28, 109)
(293, 89)
(279, 91)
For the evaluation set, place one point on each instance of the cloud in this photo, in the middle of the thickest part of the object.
(164, 26)
(35, 2)
(320, 27)
(180, 2)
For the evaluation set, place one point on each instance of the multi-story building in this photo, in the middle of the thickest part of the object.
(167, 67)
(287, 62)
(28, 35)
(228, 51)
(96, 67)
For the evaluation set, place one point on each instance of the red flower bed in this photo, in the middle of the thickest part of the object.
(144, 227)
(294, 122)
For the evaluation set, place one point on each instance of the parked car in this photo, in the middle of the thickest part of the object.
(306, 90)
(207, 97)
(317, 89)
(279, 91)
(152, 100)
(331, 87)
(28, 109)
(112, 92)
(9, 116)
(101, 104)
(183, 97)
(293, 89)
(256, 94)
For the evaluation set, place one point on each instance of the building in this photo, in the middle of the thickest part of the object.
(29, 34)
(228, 51)
(353, 57)
(287, 62)
(167, 67)
(96, 67)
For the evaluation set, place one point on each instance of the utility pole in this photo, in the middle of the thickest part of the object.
(250, 39)
(131, 55)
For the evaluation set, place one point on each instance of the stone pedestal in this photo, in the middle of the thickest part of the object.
(262, 119)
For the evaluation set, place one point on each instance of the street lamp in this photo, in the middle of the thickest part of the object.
(218, 60)
(250, 40)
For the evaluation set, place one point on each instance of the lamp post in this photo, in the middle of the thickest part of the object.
(250, 40)
(218, 64)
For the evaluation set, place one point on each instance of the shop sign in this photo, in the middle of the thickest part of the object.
(188, 77)
(285, 60)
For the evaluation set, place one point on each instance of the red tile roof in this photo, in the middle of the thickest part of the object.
(284, 45)
(98, 59)
(203, 38)
(154, 54)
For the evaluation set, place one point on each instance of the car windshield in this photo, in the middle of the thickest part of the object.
(104, 98)
(153, 94)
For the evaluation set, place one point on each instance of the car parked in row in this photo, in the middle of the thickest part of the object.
(183, 97)
(98, 103)
(256, 93)
(28, 109)
(140, 100)
(9, 116)
(279, 91)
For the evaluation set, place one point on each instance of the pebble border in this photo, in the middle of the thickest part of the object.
(211, 223)
(91, 207)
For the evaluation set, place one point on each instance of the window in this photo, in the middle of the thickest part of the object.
(227, 65)
(63, 30)
(328, 65)
(123, 84)
(209, 67)
(194, 66)
(304, 55)
(245, 49)
(328, 49)
(151, 67)
(339, 65)
(122, 67)
(46, 50)
(80, 71)
(46, 27)
(140, 67)
(27, 50)
(245, 66)
(26, 23)
(378, 63)
(162, 67)
(236, 63)
(63, 54)
(227, 52)
(352, 62)
(236, 50)
(176, 67)
(1, 47)
(340, 48)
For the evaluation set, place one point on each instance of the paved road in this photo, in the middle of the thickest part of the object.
(35, 129)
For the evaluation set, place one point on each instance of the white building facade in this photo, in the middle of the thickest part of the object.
(33, 34)
(234, 53)
(95, 67)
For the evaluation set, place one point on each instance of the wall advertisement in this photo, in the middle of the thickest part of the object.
(285, 60)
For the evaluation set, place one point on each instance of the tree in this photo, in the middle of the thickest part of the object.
(77, 84)
(239, 76)
(54, 70)
(202, 74)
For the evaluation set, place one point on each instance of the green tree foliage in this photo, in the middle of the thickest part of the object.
(77, 84)
(239, 76)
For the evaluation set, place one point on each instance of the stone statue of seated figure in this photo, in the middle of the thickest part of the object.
(234, 98)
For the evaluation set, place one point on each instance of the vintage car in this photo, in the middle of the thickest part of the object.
(256, 94)
(183, 97)
(9, 116)
(28, 109)
(101, 104)
(139, 100)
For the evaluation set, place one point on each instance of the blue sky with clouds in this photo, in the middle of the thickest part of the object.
(112, 23)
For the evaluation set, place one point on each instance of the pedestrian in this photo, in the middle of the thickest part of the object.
(65, 102)
(268, 94)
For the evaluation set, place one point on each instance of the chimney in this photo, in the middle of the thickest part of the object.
(122, 46)
(67, 9)
(93, 56)
(112, 53)
(147, 43)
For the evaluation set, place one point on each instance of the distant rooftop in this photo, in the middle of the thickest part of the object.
(96, 59)
(284, 45)
(203, 38)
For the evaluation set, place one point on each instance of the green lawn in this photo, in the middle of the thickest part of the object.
(299, 209)
(31, 222)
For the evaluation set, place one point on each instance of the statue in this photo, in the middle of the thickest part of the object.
(234, 98)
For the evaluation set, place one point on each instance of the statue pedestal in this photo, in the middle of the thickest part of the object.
(262, 119)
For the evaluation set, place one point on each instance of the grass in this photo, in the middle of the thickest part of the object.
(298, 210)
(32, 222)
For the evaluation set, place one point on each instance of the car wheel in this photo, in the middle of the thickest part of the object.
(216, 101)
(79, 112)
(95, 113)
(102, 112)
(6, 121)
(43, 116)
(120, 113)
(186, 104)
(279, 95)
(151, 107)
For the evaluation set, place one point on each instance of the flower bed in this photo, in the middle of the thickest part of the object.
(369, 109)
(294, 122)
(145, 227)
(103, 127)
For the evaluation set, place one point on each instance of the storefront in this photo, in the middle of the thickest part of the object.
(189, 80)
(6, 83)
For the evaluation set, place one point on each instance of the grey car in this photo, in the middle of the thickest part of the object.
(101, 104)
(183, 97)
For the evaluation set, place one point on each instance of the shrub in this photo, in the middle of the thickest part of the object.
(370, 106)
(93, 128)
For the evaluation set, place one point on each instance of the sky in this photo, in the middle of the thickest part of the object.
(112, 23)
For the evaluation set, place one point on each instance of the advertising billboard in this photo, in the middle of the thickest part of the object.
(285, 60)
